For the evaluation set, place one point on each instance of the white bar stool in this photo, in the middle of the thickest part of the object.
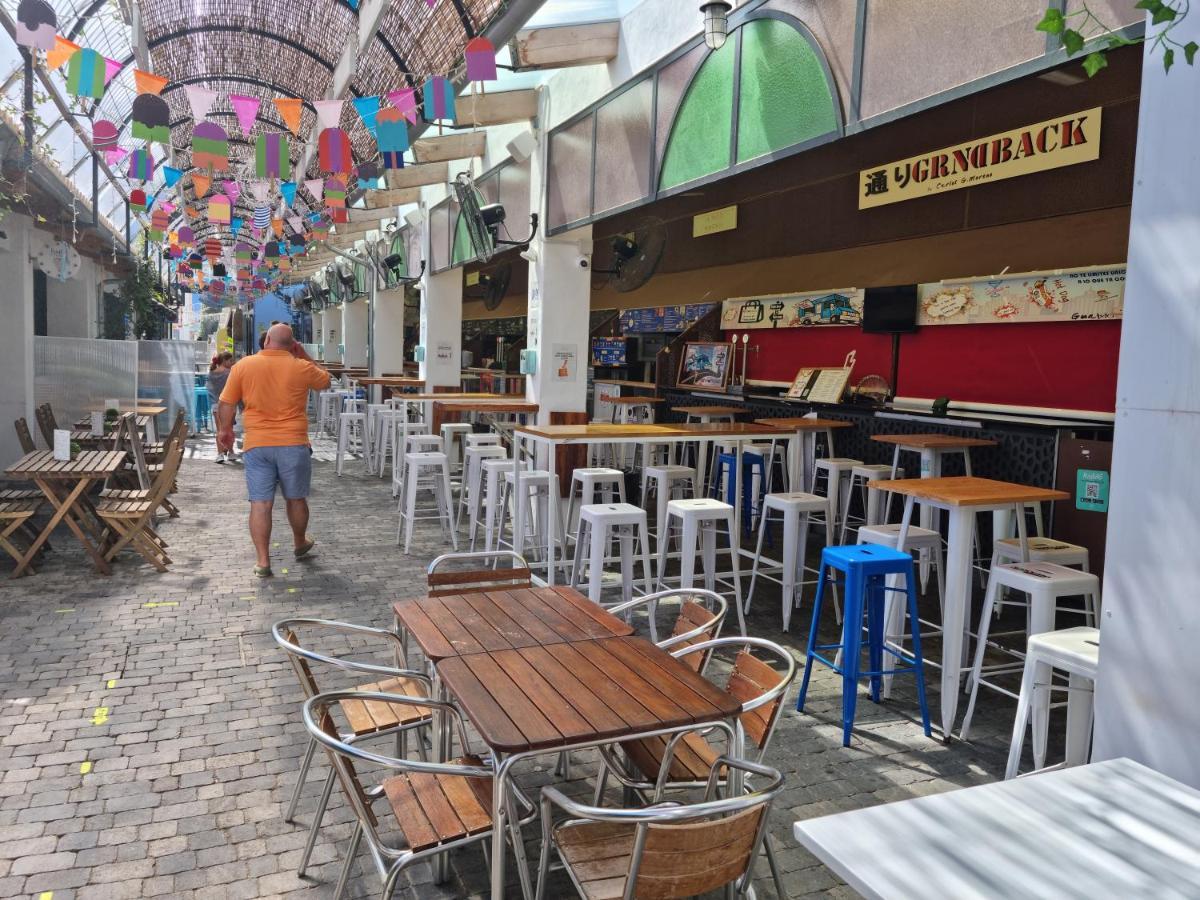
(1041, 549)
(796, 510)
(416, 443)
(598, 523)
(471, 487)
(537, 483)
(1075, 651)
(860, 477)
(596, 485)
(453, 439)
(920, 543)
(479, 438)
(698, 520)
(1045, 583)
(837, 471)
(438, 480)
(491, 475)
(668, 483)
(402, 428)
(352, 437)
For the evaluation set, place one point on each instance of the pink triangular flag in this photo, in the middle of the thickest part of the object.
(232, 190)
(200, 99)
(246, 109)
(329, 113)
(167, 207)
(114, 155)
(316, 187)
(111, 68)
(405, 102)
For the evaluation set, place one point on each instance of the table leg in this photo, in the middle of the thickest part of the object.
(553, 518)
(62, 513)
(1079, 719)
(931, 517)
(958, 600)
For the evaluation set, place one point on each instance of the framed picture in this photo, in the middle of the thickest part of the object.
(706, 365)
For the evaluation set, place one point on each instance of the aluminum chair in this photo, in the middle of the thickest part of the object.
(437, 807)
(701, 615)
(486, 578)
(365, 719)
(663, 851)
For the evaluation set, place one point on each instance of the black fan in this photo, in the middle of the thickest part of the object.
(483, 222)
(494, 285)
(636, 255)
(333, 284)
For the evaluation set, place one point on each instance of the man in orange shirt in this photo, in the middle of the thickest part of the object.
(273, 387)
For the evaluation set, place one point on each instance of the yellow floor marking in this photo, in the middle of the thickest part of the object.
(112, 683)
(291, 590)
(155, 604)
(100, 716)
(85, 767)
(46, 895)
(72, 609)
(248, 597)
(284, 571)
(276, 545)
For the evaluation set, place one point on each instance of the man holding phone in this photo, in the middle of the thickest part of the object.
(273, 387)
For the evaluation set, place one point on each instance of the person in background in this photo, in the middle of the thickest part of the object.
(218, 374)
(273, 387)
(262, 338)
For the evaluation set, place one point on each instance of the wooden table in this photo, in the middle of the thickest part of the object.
(480, 622)
(705, 413)
(553, 436)
(963, 497)
(509, 405)
(1110, 829)
(569, 696)
(142, 409)
(71, 505)
(802, 456)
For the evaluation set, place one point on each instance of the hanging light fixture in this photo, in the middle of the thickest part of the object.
(716, 22)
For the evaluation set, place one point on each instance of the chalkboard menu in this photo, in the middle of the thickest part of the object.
(608, 351)
(663, 319)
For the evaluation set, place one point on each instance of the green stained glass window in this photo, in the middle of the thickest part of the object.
(701, 135)
(785, 96)
(463, 251)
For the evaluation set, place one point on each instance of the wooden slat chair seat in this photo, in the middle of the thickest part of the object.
(15, 514)
(448, 583)
(370, 717)
(21, 494)
(436, 809)
(684, 850)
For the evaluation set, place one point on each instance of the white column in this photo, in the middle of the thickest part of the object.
(333, 334)
(389, 332)
(354, 332)
(1146, 705)
(441, 329)
(16, 337)
(558, 323)
(318, 338)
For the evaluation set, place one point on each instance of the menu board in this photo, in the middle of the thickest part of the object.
(663, 319)
(608, 351)
(820, 385)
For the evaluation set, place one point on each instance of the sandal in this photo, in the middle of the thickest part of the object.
(306, 548)
(263, 571)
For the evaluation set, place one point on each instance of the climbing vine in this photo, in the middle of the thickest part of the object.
(1077, 29)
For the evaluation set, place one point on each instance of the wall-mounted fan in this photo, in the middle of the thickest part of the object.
(483, 221)
(344, 272)
(493, 285)
(635, 255)
(334, 284)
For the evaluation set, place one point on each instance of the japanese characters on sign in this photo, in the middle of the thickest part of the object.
(1063, 141)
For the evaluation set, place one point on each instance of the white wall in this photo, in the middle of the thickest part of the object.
(389, 331)
(71, 305)
(354, 333)
(1146, 696)
(16, 337)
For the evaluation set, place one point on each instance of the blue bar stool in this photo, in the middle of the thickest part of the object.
(203, 408)
(722, 485)
(865, 566)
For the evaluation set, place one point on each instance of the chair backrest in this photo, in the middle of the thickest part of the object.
(701, 614)
(23, 435)
(302, 656)
(443, 582)
(130, 440)
(692, 858)
(178, 427)
(45, 423)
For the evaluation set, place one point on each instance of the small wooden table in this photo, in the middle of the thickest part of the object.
(483, 621)
(516, 406)
(963, 497)
(1109, 829)
(70, 502)
(570, 696)
(802, 458)
(707, 413)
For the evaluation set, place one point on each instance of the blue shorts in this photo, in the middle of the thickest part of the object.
(289, 467)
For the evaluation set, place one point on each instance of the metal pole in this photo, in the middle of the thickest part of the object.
(95, 190)
(127, 241)
(27, 114)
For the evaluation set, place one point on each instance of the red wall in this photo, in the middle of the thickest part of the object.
(1069, 365)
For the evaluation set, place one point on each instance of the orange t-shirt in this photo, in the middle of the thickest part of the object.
(273, 385)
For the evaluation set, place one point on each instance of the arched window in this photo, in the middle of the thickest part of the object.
(784, 97)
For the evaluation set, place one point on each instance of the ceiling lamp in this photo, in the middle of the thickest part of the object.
(716, 22)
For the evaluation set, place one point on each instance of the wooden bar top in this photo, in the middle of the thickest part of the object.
(481, 621)
(501, 403)
(393, 381)
(88, 464)
(802, 424)
(692, 430)
(142, 409)
(966, 490)
(708, 410)
(932, 441)
(542, 697)
(616, 382)
(626, 400)
(454, 395)
(731, 429)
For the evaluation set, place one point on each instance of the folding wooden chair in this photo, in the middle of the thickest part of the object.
(131, 522)
(23, 435)
(14, 515)
(46, 423)
(174, 444)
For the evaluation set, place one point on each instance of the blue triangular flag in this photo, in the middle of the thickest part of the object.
(235, 225)
(367, 109)
(288, 190)
(171, 175)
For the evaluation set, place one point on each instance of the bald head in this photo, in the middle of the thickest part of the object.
(279, 337)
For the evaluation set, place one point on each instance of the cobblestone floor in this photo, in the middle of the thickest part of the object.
(150, 733)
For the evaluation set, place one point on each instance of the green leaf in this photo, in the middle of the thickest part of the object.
(1189, 51)
(1052, 22)
(1073, 41)
(1148, 5)
(1094, 62)
(1163, 14)
(1168, 59)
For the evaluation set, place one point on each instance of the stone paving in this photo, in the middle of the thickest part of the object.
(150, 733)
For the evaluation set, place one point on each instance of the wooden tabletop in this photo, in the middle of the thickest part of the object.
(630, 401)
(480, 621)
(485, 404)
(145, 409)
(88, 464)
(708, 410)
(141, 421)
(393, 381)
(802, 424)
(932, 441)
(616, 382)
(963, 490)
(731, 429)
(693, 430)
(551, 696)
(454, 395)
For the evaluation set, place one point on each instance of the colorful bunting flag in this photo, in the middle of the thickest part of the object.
(187, 237)
(439, 99)
(288, 191)
(333, 151)
(246, 109)
(218, 209)
(367, 109)
(262, 216)
(104, 134)
(481, 59)
(335, 193)
(272, 156)
(171, 175)
(212, 249)
(210, 147)
(329, 113)
(137, 200)
(233, 189)
(201, 184)
(235, 225)
(277, 227)
(392, 136)
(85, 74)
(62, 52)
(35, 25)
(111, 68)
(158, 224)
(296, 223)
(141, 165)
(200, 99)
(151, 119)
(290, 109)
(148, 82)
(114, 155)
(405, 103)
